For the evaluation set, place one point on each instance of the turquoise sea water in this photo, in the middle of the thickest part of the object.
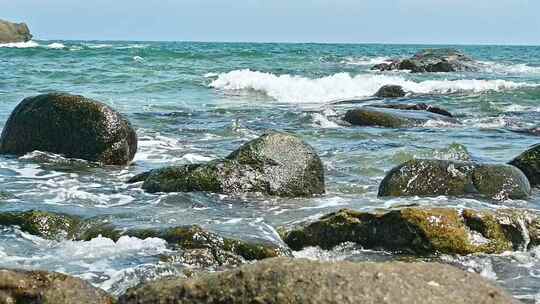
(193, 102)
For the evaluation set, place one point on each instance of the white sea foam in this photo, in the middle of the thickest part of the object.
(97, 45)
(365, 60)
(56, 46)
(138, 59)
(321, 121)
(297, 89)
(20, 45)
(509, 69)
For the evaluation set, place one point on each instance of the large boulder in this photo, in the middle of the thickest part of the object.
(299, 281)
(529, 163)
(414, 107)
(432, 60)
(420, 230)
(14, 32)
(425, 177)
(390, 91)
(40, 287)
(276, 163)
(394, 117)
(71, 125)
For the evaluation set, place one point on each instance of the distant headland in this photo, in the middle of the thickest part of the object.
(14, 32)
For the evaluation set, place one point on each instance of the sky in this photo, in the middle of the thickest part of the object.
(343, 21)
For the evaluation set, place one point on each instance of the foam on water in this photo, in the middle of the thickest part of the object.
(20, 45)
(362, 61)
(509, 69)
(297, 89)
(56, 46)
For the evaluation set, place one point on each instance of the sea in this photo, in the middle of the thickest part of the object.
(193, 102)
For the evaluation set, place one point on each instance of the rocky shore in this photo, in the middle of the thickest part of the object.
(14, 32)
(282, 164)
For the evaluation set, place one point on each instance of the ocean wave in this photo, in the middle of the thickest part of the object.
(365, 60)
(56, 46)
(20, 45)
(509, 69)
(298, 89)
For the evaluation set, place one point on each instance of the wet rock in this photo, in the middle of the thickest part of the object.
(415, 107)
(71, 125)
(301, 281)
(423, 177)
(390, 91)
(529, 163)
(432, 60)
(40, 287)
(14, 32)
(205, 258)
(421, 231)
(385, 116)
(276, 163)
(54, 226)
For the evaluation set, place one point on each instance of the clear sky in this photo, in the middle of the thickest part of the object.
(356, 21)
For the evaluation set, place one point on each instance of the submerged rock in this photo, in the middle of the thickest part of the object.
(423, 177)
(276, 163)
(390, 91)
(387, 116)
(71, 125)
(54, 226)
(14, 32)
(292, 281)
(432, 60)
(40, 287)
(420, 231)
(529, 163)
(415, 107)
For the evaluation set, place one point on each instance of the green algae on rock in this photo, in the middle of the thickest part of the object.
(419, 230)
(299, 281)
(423, 177)
(393, 118)
(40, 287)
(529, 163)
(276, 163)
(70, 125)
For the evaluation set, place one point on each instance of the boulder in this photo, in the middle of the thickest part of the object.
(385, 116)
(71, 125)
(14, 32)
(432, 60)
(423, 177)
(276, 163)
(529, 163)
(420, 231)
(414, 107)
(40, 287)
(390, 91)
(283, 280)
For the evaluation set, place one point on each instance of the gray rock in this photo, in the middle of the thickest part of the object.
(71, 125)
(40, 287)
(14, 32)
(301, 281)
(422, 177)
(390, 91)
(276, 163)
(432, 60)
(385, 116)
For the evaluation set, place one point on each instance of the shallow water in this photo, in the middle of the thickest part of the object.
(193, 102)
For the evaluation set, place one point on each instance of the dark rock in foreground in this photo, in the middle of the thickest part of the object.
(190, 239)
(281, 280)
(529, 163)
(421, 231)
(40, 287)
(423, 177)
(71, 125)
(14, 32)
(276, 163)
(432, 60)
(390, 91)
(394, 117)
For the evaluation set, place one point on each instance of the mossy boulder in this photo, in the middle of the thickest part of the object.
(276, 163)
(54, 226)
(393, 118)
(390, 91)
(14, 32)
(419, 231)
(423, 177)
(299, 281)
(40, 287)
(70, 125)
(529, 163)
(432, 60)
